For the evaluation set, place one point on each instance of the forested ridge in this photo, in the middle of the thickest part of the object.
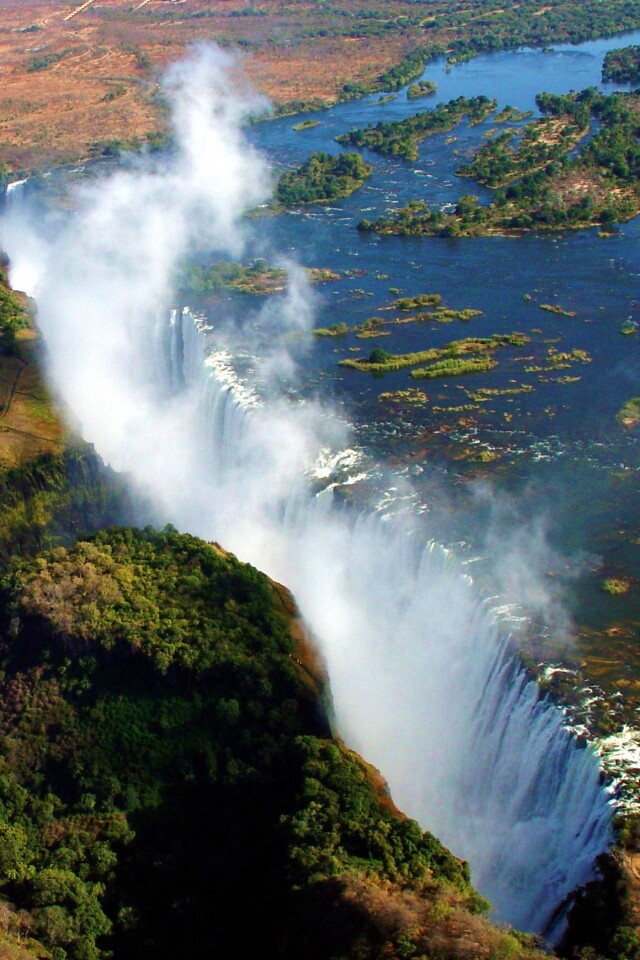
(169, 783)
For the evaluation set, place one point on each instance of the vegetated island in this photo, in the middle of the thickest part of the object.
(598, 186)
(400, 138)
(258, 278)
(629, 414)
(621, 65)
(322, 177)
(305, 125)
(423, 88)
(470, 355)
(380, 327)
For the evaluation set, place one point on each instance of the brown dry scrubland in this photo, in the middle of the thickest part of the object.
(74, 77)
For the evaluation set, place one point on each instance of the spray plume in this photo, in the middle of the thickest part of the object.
(422, 679)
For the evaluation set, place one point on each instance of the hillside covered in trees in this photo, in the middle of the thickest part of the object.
(169, 785)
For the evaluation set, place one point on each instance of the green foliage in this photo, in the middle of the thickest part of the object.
(621, 65)
(224, 276)
(322, 177)
(400, 138)
(601, 919)
(498, 163)
(454, 368)
(171, 776)
(384, 362)
(149, 593)
(13, 316)
(341, 823)
(424, 88)
(54, 499)
(379, 356)
(545, 186)
(47, 60)
(413, 303)
(629, 413)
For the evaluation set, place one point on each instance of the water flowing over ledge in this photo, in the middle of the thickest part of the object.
(423, 680)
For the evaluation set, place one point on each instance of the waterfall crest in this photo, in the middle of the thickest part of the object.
(423, 680)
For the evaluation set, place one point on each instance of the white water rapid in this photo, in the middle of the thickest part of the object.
(422, 680)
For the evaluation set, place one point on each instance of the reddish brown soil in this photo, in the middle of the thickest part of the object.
(104, 85)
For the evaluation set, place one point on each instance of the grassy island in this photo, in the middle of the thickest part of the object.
(322, 177)
(629, 415)
(400, 138)
(377, 326)
(622, 65)
(445, 358)
(544, 186)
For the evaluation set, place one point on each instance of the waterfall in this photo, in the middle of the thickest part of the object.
(422, 677)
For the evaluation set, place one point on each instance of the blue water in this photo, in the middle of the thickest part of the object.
(559, 448)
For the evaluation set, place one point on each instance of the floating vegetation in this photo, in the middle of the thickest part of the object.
(629, 414)
(413, 396)
(616, 585)
(455, 367)
(553, 308)
(380, 361)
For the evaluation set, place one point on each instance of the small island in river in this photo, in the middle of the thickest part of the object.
(322, 177)
(621, 65)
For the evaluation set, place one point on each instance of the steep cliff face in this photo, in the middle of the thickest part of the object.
(169, 783)
(53, 487)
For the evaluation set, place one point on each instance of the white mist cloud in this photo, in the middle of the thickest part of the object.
(529, 571)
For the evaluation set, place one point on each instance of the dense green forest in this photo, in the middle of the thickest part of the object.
(168, 782)
(400, 138)
(599, 185)
(622, 65)
(322, 177)
(498, 162)
(13, 314)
